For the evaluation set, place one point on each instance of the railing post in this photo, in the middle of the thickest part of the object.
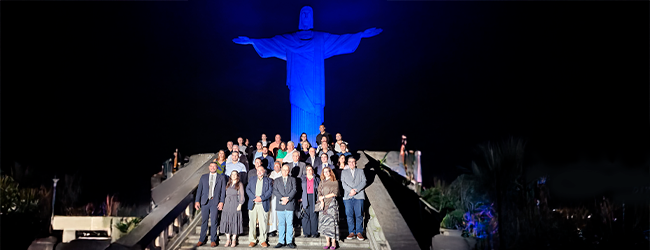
(163, 239)
(418, 172)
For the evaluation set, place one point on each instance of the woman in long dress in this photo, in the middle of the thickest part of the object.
(309, 196)
(329, 214)
(273, 217)
(231, 217)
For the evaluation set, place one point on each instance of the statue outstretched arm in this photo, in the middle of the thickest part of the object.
(242, 40)
(266, 47)
(370, 32)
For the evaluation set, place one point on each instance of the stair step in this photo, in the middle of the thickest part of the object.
(245, 246)
(193, 239)
(342, 228)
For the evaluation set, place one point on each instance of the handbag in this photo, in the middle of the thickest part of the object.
(300, 213)
(317, 206)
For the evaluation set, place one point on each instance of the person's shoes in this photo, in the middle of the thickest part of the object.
(360, 237)
(273, 234)
(291, 245)
(350, 236)
(214, 244)
(264, 244)
(252, 244)
(315, 236)
(333, 247)
(306, 236)
(279, 245)
(199, 244)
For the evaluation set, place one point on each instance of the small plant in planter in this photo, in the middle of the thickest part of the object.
(452, 223)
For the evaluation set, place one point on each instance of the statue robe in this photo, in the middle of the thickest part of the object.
(306, 73)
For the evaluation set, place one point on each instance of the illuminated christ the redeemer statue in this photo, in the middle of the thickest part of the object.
(305, 52)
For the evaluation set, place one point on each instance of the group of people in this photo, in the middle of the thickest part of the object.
(283, 183)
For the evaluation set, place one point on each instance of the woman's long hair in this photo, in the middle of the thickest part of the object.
(285, 146)
(332, 176)
(219, 158)
(338, 163)
(306, 139)
(230, 180)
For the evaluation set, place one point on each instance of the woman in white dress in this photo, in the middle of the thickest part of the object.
(273, 222)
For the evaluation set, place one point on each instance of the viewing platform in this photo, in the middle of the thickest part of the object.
(175, 224)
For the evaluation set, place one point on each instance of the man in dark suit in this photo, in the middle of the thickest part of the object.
(297, 167)
(258, 208)
(210, 196)
(284, 190)
(321, 162)
(313, 158)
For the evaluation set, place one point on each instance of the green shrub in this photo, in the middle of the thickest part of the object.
(453, 220)
(126, 226)
(15, 199)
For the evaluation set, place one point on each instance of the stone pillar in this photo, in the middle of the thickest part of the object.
(303, 121)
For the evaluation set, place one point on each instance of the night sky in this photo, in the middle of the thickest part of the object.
(109, 89)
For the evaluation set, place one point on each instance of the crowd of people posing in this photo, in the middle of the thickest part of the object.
(283, 183)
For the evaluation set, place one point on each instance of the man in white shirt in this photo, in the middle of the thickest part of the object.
(290, 149)
(241, 158)
(337, 144)
(234, 164)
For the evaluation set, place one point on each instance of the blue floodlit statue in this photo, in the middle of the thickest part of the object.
(305, 52)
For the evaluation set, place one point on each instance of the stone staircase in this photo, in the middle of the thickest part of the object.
(300, 241)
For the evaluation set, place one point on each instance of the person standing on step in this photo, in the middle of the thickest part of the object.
(322, 134)
(338, 142)
(275, 144)
(210, 198)
(267, 160)
(309, 196)
(328, 218)
(259, 191)
(282, 152)
(321, 163)
(354, 182)
(284, 189)
(273, 217)
(312, 159)
(231, 217)
(241, 158)
(290, 149)
(264, 141)
(233, 164)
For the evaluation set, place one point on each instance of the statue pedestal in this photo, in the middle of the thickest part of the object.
(305, 122)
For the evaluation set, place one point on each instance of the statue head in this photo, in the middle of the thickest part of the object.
(306, 18)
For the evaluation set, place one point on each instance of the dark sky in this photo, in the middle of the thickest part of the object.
(111, 88)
